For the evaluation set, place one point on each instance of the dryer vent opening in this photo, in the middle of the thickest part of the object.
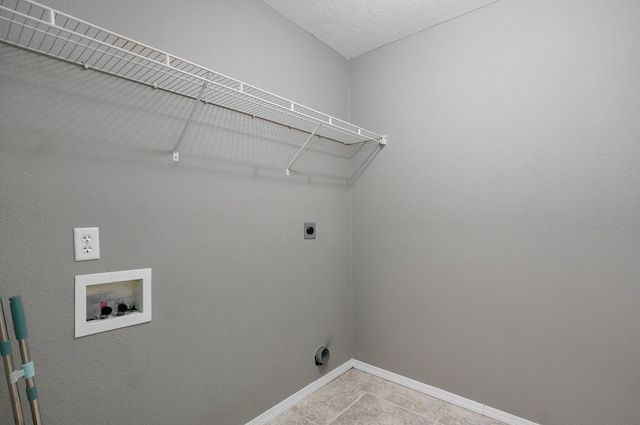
(322, 356)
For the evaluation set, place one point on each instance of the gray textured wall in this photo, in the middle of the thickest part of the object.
(497, 240)
(240, 301)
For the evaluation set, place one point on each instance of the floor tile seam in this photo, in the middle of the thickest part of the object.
(303, 417)
(350, 382)
(440, 412)
(345, 384)
(434, 421)
(348, 407)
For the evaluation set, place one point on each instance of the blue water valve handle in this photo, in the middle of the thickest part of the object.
(17, 314)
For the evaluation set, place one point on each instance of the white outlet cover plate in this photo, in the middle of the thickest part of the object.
(86, 243)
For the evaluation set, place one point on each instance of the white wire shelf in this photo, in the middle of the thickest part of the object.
(38, 28)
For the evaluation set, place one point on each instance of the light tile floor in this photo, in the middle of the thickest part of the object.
(358, 398)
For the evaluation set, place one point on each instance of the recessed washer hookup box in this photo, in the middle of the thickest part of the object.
(112, 300)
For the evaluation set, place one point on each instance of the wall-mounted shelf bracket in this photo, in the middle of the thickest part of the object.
(313, 133)
(196, 105)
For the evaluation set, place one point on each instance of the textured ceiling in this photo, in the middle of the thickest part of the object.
(353, 27)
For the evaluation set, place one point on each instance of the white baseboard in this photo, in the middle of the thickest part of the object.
(420, 387)
(454, 399)
(505, 417)
(285, 405)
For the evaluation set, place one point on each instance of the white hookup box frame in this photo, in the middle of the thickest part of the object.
(112, 300)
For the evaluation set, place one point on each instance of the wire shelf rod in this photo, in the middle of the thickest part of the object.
(64, 37)
(184, 80)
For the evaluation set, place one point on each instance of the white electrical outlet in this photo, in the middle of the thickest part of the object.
(86, 243)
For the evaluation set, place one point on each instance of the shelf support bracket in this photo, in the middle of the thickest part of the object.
(287, 171)
(185, 130)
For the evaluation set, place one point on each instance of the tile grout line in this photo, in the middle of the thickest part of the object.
(292, 400)
(435, 421)
(450, 398)
(404, 408)
(303, 417)
(349, 406)
(439, 414)
(365, 392)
